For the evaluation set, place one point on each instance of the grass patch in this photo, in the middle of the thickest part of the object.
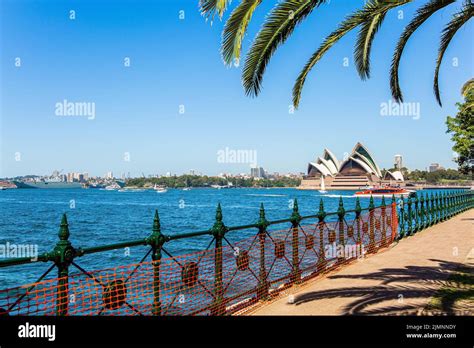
(457, 295)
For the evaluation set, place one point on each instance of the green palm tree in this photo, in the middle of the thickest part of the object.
(287, 14)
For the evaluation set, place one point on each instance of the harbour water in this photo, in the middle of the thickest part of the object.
(98, 217)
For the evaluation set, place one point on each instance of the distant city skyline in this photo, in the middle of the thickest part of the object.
(140, 87)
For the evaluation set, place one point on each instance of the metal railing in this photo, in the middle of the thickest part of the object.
(424, 210)
(226, 276)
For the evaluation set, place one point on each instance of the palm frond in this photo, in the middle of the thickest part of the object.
(449, 31)
(209, 8)
(278, 26)
(352, 21)
(467, 88)
(422, 14)
(235, 29)
(366, 35)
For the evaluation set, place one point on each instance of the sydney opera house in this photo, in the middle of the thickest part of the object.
(358, 170)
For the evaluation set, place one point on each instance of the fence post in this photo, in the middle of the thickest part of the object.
(218, 230)
(458, 202)
(383, 240)
(441, 207)
(394, 219)
(409, 217)
(417, 216)
(371, 226)
(358, 211)
(448, 206)
(62, 255)
(422, 212)
(432, 210)
(436, 208)
(295, 221)
(321, 216)
(451, 203)
(454, 204)
(429, 210)
(341, 212)
(402, 218)
(262, 289)
(156, 241)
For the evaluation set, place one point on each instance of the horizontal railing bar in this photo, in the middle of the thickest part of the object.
(23, 260)
(92, 250)
(189, 234)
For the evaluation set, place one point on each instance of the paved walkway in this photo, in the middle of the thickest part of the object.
(398, 280)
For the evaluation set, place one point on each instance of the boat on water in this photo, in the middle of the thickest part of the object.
(112, 187)
(160, 189)
(187, 189)
(47, 184)
(323, 186)
(229, 185)
(383, 192)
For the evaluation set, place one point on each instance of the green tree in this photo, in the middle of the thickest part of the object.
(461, 127)
(288, 14)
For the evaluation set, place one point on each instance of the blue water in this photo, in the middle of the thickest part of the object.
(96, 217)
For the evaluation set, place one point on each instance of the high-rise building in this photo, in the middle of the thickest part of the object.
(434, 167)
(109, 175)
(398, 162)
(257, 172)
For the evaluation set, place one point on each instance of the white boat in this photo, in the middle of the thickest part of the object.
(187, 189)
(323, 186)
(2, 188)
(113, 187)
(160, 189)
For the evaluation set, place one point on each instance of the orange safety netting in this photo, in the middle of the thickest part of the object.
(210, 282)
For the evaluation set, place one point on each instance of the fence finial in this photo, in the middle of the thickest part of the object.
(156, 223)
(295, 206)
(262, 212)
(219, 213)
(371, 203)
(321, 213)
(358, 208)
(340, 210)
(383, 201)
(64, 228)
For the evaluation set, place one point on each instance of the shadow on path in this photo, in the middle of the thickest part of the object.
(428, 280)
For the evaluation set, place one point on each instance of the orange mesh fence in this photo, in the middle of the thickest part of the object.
(215, 281)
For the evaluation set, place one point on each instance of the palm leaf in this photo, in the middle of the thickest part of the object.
(278, 26)
(354, 20)
(235, 29)
(422, 14)
(467, 88)
(210, 7)
(364, 40)
(449, 31)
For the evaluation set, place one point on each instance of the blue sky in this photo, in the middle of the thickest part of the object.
(176, 62)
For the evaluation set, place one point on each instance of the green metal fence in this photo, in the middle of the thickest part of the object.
(226, 276)
(423, 210)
